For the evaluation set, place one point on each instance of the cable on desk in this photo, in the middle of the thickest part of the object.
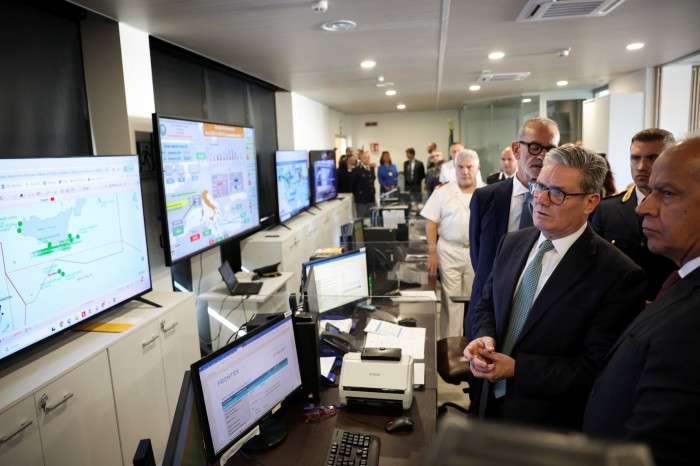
(245, 317)
(363, 422)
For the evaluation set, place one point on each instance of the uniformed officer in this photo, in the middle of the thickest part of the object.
(362, 180)
(447, 212)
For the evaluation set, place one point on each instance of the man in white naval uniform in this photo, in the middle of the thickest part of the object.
(447, 212)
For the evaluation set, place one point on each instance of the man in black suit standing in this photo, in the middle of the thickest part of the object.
(508, 167)
(557, 299)
(362, 180)
(648, 388)
(502, 207)
(615, 218)
(413, 172)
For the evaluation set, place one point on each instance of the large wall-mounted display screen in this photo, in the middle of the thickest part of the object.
(208, 183)
(72, 243)
(322, 164)
(292, 172)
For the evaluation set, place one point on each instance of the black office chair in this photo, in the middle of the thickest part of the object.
(451, 364)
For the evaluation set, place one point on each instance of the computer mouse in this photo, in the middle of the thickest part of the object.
(408, 322)
(400, 424)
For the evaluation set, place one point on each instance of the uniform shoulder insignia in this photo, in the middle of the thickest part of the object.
(628, 194)
(441, 185)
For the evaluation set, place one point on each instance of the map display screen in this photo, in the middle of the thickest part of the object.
(72, 243)
(292, 183)
(209, 185)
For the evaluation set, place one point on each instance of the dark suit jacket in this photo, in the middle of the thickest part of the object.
(495, 177)
(363, 184)
(589, 299)
(418, 175)
(488, 222)
(616, 221)
(648, 389)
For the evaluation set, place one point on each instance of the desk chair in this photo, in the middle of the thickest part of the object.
(450, 360)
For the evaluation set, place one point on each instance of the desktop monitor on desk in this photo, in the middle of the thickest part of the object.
(335, 282)
(237, 386)
(185, 444)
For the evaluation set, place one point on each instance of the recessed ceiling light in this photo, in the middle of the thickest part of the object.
(496, 55)
(391, 92)
(474, 87)
(562, 83)
(401, 106)
(368, 64)
(338, 26)
(635, 46)
(527, 100)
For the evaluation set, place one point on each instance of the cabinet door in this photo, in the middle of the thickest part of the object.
(19, 435)
(180, 347)
(139, 391)
(77, 419)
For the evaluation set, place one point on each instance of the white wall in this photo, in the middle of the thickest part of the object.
(640, 81)
(396, 132)
(674, 105)
(314, 125)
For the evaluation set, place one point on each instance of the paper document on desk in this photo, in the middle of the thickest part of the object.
(327, 363)
(411, 340)
(412, 296)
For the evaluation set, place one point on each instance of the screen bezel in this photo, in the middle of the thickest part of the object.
(316, 156)
(162, 204)
(312, 263)
(212, 455)
(298, 211)
(48, 341)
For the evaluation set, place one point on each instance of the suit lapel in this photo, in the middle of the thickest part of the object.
(630, 216)
(501, 204)
(574, 265)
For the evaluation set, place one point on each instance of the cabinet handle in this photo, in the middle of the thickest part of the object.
(46, 407)
(146, 343)
(167, 329)
(22, 426)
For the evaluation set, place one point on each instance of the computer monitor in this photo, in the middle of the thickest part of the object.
(237, 386)
(208, 184)
(358, 233)
(185, 442)
(292, 173)
(322, 163)
(337, 281)
(72, 242)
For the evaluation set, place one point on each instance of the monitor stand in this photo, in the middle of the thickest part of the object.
(147, 301)
(271, 433)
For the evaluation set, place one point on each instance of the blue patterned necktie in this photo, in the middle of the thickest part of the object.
(522, 302)
(526, 212)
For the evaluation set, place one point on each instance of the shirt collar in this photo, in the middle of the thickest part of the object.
(640, 195)
(562, 245)
(689, 267)
(518, 188)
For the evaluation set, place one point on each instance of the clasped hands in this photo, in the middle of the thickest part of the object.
(486, 363)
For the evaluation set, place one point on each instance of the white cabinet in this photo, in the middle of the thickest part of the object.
(89, 400)
(19, 435)
(77, 419)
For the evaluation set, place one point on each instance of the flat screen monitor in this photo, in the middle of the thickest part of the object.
(185, 442)
(237, 386)
(208, 183)
(322, 164)
(336, 281)
(292, 172)
(72, 241)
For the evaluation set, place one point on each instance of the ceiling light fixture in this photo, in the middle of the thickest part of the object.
(496, 55)
(400, 106)
(635, 46)
(474, 87)
(368, 64)
(391, 92)
(563, 53)
(562, 83)
(339, 26)
(527, 100)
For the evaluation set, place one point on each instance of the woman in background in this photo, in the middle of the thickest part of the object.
(387, 173)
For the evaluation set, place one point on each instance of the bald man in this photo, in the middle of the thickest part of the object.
(509, 166)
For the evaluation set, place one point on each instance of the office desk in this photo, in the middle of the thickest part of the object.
(307, 443)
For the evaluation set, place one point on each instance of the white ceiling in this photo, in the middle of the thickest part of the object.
(431, 49)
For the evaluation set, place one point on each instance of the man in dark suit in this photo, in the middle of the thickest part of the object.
(556, 301)
(362, 180)
(648, 388)
(508, 167)
(615, 218)
(413, 172)
(498, 209)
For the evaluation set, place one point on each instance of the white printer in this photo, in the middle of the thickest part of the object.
(377, 377)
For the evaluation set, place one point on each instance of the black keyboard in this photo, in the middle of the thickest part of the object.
(353, 449)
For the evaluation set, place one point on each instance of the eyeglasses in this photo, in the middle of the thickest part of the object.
(535, 148)
(315, 413)
(556, 196)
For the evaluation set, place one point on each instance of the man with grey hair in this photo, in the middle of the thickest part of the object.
(447, 212)
(557, 299)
